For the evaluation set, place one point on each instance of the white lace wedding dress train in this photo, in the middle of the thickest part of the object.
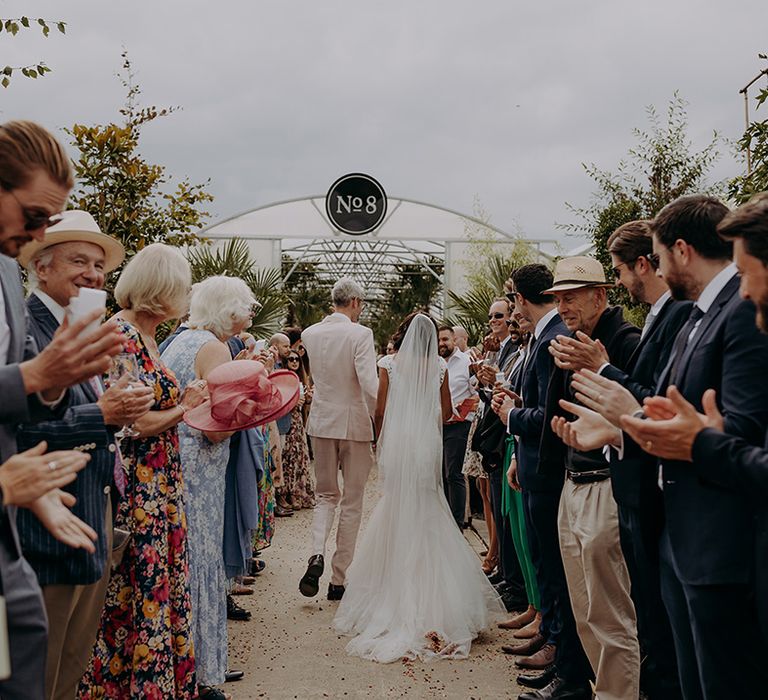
(415, 587)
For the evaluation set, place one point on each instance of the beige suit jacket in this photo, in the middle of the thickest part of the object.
(343, 363)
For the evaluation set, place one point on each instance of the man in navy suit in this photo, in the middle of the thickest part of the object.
(708, 542)
(74, 255)
(680, 432)
(541, 493)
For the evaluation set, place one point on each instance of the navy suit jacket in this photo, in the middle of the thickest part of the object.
(709, 523)
(634, 478)
(82, 425)
(528, 422)
(733, 463)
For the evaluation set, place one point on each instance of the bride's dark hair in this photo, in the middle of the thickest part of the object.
(402, 329)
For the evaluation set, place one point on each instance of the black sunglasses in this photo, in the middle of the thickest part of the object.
(293, 359)
(34, 222)
(498, 315)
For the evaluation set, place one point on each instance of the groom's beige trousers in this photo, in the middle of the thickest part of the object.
(355, 460)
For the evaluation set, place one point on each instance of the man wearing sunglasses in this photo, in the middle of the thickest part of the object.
(36, 179)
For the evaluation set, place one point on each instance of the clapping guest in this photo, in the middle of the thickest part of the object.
(220, 307)
(75, 255)
(298, 487)
(143, 648)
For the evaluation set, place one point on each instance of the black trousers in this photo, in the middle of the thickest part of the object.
(640, 530)
(454, 448)
(716, 635)
(509, 565)
(558, 624)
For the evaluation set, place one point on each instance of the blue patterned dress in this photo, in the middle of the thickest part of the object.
(204, 465)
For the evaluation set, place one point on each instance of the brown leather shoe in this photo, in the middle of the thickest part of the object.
(543, 658)
(526, 648)
(530, 630)
(518, 621)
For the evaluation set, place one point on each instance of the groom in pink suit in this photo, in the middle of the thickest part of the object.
(343, 360)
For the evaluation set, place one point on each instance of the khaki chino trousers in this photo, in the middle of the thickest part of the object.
(598, 583)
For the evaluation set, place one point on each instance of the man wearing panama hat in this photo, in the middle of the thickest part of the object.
(598, 581)
(75, 254)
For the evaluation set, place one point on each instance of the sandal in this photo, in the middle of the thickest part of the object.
(237, 589)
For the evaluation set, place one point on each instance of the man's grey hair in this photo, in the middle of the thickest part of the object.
(44, 257)
(345, 290)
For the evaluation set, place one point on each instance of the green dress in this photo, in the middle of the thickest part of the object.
(512, 508)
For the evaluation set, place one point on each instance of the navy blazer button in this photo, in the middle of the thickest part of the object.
(106, 490)
(111, 447)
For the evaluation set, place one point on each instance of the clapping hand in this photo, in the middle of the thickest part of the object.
(577, 353)
(195, 394)
(606, 397)
(27, 476)
(672, 424)
(590, 431)
(53, 511)
(120, 407)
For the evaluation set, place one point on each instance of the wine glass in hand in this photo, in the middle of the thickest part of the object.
(124, 367)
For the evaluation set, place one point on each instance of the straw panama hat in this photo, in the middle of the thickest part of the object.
(80, 226)
(577, 272)
(243, 395)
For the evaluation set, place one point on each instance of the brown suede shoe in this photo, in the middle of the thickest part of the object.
(518, 621)
(543, 658)
(526, 648)
(530, 630)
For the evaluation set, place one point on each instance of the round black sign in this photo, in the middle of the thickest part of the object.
(356, 204)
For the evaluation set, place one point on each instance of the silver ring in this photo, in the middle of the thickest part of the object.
(52, 465)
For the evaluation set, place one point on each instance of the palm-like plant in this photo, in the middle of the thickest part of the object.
(234, 259)
(470, 309)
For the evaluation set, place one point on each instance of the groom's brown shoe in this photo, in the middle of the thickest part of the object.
(310, 582)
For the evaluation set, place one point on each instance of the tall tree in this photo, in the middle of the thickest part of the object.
(754, 140)
(661, 167)
(128, 196)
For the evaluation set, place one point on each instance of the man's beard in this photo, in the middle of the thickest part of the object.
(679, 286)
(444, 352)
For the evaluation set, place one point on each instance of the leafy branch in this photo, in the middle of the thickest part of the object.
(13, 26)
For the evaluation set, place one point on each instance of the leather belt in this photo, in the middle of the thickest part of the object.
(588, 477)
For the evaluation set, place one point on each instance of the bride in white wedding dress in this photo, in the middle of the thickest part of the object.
(415, 587)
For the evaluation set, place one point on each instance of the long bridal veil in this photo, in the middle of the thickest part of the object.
(415, 587)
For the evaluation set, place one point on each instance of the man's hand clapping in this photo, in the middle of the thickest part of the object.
(72, 356)
(121, 407)
(31, 474)
(590, 431)
(606, 397)
(577, 353)
(53, 511)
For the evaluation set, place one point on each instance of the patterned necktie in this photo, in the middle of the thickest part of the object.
(682, 341)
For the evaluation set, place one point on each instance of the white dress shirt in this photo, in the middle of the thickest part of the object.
(458, 377)
(58, 311)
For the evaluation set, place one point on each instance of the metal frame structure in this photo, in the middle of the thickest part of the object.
(413, 232)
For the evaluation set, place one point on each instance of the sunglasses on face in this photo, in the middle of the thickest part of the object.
(293, 359)
(497, 316)
(34, 221)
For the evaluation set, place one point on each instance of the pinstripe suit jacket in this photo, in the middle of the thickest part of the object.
(82, 424)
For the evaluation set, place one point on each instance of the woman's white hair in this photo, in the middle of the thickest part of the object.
(219, 304)
(156, 281)
(345, 290)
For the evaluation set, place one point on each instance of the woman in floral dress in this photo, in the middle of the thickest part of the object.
(262, 536)
(144, 648)
(298, 487)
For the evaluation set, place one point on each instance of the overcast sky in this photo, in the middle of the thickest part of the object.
(441, 101)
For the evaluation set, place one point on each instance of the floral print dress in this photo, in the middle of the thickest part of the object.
(262, 536)
(144, 647)
(296, 474)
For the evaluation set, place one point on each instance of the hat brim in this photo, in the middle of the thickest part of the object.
(568, 286)
(114, 253)
(287, 384)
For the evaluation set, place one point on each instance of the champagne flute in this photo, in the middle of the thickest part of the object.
(124, 365)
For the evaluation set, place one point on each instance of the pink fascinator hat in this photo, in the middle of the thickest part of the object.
(243, 395)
